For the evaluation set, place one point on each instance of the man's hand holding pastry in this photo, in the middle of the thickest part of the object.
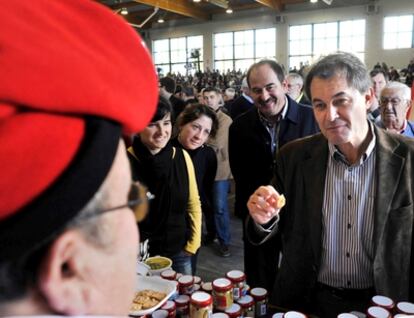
(264, 204)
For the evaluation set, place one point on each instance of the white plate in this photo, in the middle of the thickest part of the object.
(155, 283)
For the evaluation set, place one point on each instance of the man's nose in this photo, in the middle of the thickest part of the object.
(265, 95)
(332, 112)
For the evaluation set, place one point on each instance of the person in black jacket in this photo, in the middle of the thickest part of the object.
(254, 139)
(195, 125)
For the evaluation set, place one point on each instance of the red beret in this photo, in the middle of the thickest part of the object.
(63, 61)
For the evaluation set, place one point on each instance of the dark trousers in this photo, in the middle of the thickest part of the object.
(330, 302)
(261, 262)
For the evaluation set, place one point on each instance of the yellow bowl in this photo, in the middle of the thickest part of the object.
(158, 264)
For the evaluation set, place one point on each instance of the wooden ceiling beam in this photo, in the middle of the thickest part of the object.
(274, 4)
(181, 7)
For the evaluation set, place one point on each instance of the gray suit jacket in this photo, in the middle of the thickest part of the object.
(301, 170)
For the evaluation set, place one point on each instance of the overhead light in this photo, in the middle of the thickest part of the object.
(124, 11)
(160, 20)
(229, 10)
(196, 0)
(313, 1)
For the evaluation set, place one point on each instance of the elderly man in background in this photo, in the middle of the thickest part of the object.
(395, 102)
(295, 88)
(243, 103)
(68, 236)
(379, 79)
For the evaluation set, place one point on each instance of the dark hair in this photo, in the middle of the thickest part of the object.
(195, 111)
(163, 108)
(275, 66)
(211, 89)
(340, 63)
(168, 83)
(377, 71)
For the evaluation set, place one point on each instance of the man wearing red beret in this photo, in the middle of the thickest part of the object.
(72, 73)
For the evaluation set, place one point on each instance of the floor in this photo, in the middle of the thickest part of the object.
(210, 264)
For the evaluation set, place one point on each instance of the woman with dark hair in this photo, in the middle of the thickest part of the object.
(195, 125)
(173, 224)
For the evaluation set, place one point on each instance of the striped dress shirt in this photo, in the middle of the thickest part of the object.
(348, 220)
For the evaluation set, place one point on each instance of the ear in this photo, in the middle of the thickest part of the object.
(62, 275)
(369, 98)
(409, 109)
(285, 85)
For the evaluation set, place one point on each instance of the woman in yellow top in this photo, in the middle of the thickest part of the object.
(173, 224)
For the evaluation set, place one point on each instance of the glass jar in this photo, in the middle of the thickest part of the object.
(197, 280)
(382, 301)
(170, 307)
(160, 313)
(278, 315)
(186, 285)
(238, 279)
(247, 305)
(169, 274)
(220, 315)
(405, 307)
(182, 304)
(294, 314)
(260, 299)
(234, 311)
(207, 287)
(347, 315)
(222, 294)
(378, 312)
(201, 305)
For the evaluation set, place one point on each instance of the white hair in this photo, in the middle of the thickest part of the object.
(399, 87)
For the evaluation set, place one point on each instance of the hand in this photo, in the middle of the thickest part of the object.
(264, 204)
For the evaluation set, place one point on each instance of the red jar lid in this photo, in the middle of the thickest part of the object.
(347, 315)
(222, 284)
(169, 305)
(169, 274)
(383, 301)
(378, 312)
(236, 276)
(160, 313)
(233, 311)
(258, 293)
(201, 299)
(197, 280)
(405, 307)
(219, 315)
(294, 314)
(245, 301)
(207, 287)
(186, 280)
(182, 300)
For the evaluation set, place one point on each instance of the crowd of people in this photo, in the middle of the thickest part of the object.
(321, 165)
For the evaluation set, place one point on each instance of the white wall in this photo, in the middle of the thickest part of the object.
(261, 18)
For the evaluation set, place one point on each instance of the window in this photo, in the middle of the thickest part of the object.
(240, 49)
(308, 42)
(178, 55)
(398, 32)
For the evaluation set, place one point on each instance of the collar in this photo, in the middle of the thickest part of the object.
(248, 98)
(337, 155)
(297, 100)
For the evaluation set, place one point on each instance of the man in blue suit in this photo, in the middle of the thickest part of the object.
(254, 138)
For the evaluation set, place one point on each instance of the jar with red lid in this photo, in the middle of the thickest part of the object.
(207, 287)
(220, 315)
(222, 294)
(186, 285)
(160, 313)
(169, 274)
(197, 280)
(247, 305)
(170, 307)
(260, 299)
(382, 301)
(405, 307)
(196, 288)
(234, 311)
(347, 315)
(201, 305)
(182, 304)
(378, 312)
(294, 314)
(278, 315)
(238, 279)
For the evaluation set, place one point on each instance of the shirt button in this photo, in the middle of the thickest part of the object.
(349, 197)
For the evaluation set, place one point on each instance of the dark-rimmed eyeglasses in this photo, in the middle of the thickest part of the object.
(138, 199)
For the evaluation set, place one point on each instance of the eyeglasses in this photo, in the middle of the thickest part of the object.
(395, 101)
(138, 199)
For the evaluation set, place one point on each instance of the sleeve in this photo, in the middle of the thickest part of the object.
(193, 208)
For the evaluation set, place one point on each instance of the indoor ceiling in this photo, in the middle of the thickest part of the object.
(144, 13)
